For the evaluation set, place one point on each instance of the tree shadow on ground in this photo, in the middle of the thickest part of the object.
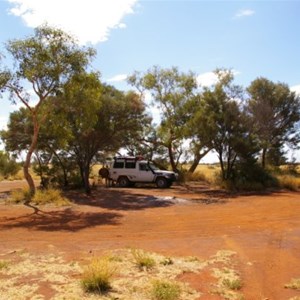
(60, 220)
(118, 199)
(206, 192)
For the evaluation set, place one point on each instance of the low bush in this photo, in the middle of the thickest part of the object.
(97, 276)
(8, 166)
(165, 290)
(249, 177)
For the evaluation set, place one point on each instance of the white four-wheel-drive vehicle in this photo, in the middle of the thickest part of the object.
(126, 171)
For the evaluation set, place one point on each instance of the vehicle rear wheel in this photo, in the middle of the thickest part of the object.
(123, 181)
(161, 182)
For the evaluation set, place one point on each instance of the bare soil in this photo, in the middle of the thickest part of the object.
(262, 229)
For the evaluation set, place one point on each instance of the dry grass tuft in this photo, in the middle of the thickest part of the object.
(98, 275)
(165, 290)
(41, 197)
(50, 196)
(293, 284)
(142, 259)
(289, 182)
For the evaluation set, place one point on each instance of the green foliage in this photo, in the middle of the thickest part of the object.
(164, 290)
(45, 61)
(8, 166)
(97, 276)
(142, 259)
(171, 90)
(275, 116)
(251, 177)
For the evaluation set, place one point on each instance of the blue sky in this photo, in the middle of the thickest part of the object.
(254, 38)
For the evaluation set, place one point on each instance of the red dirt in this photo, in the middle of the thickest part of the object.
(264, 231)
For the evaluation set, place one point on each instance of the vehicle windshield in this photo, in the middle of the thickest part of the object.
(152, 166)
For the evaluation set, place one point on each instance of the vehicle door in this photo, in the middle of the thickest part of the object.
(145, 173)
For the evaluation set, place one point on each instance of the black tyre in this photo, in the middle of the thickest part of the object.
(161, 182)
(123, 181)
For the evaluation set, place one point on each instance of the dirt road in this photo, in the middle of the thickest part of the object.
(263, 230)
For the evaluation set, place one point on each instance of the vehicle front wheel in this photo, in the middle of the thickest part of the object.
(123, 181)
(161, 182)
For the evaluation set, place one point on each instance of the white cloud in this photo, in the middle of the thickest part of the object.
(210, 78)
(3, 122)
(296, 89)
(118, 78)
(244, 13)
(207, 79)
(89, 20)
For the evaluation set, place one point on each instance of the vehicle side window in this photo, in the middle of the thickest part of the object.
(144, 167)
(118, 164)
(130, 165)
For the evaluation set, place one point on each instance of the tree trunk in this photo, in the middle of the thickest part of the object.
(86, 173)
(222, 165)
(172, 161)
(263, 158)
(27, 162)
(66, 182)
(197, 157)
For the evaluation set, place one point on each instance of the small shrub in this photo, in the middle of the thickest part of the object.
(97, 276)
(142, 259)
(8, 165)
(50, 196)
(233, 284)
(293, 284)
(3, 264)
(164, 290)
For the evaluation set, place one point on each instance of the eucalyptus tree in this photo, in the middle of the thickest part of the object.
(225, 124)
(98, 118)
(170, 90)
(42, 62)
(275, 114)
(51, 143)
